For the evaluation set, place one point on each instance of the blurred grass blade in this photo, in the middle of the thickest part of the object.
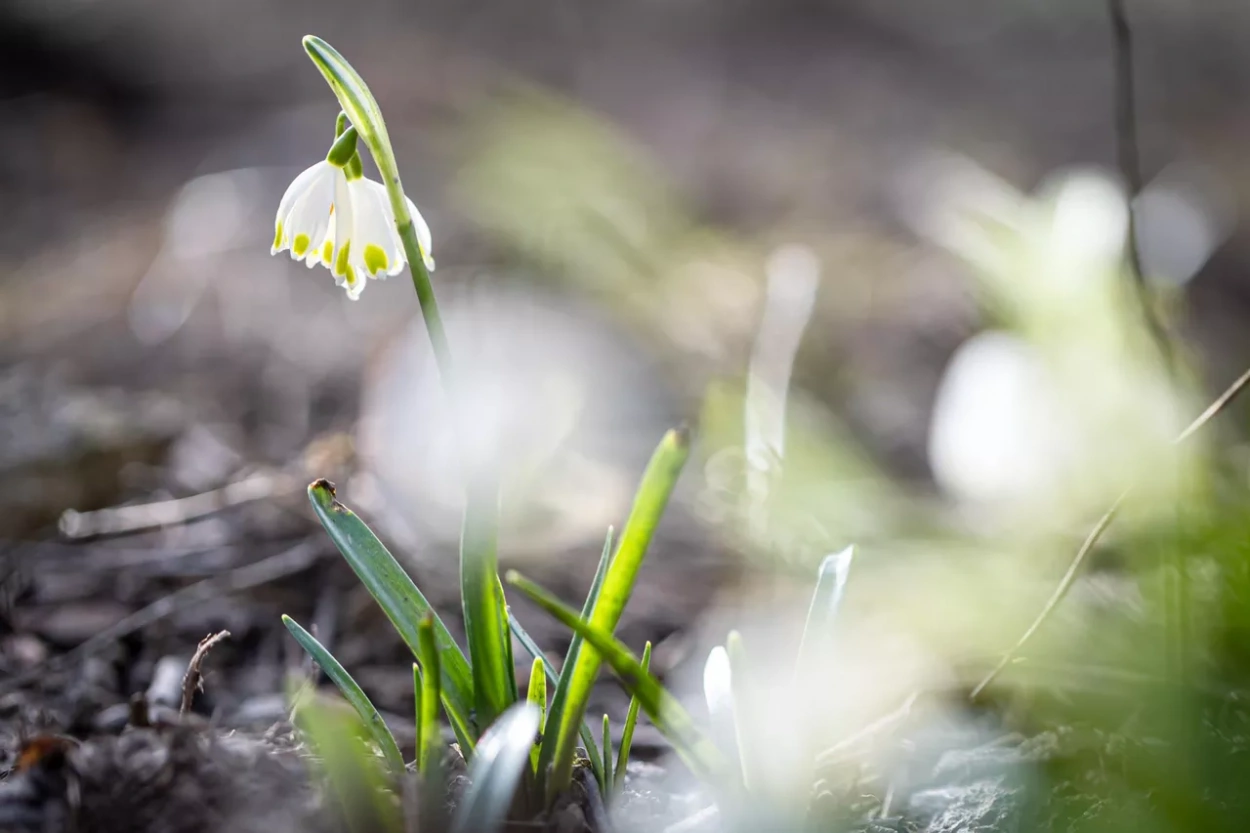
(496, 770)
(793, 278)
(555, 717)
(606, 784)
(649, 504)
(742, 708)
(398, 597)
(485, 612)
(588, 739)
(354, 772)
(352, 692)
(627, 733)
(429, 738)
(536, 693)
(673, 721)
(830, 587)
(418, 687)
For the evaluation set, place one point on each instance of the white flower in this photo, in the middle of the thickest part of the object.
(383, 252)
(346, 224)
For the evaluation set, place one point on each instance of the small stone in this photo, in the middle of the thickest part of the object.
(981, 807)
(25, 649)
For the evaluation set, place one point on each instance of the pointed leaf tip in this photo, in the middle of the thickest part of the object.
(838, 564)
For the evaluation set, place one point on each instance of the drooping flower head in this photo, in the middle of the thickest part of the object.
(332, 215)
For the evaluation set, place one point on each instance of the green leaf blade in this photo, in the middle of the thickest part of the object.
(429, 743)
(352, 693)
(627, 733)
(357, 777)
(536, 693)
(650, 501)
(397, 595)
(668, 715)
(531, 647)
(485, 612)
(606, 785)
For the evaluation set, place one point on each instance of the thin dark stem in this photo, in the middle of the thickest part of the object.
(1128, 158)
(1128, 153)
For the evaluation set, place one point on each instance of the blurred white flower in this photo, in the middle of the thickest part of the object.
(995, 436)
(333, 216)
(717, 689)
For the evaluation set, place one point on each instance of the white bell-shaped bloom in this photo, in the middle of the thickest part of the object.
(379, 251)
(332, 216)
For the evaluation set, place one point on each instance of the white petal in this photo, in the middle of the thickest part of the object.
(344, 225)
(309, 214)
(394, 246)
(375, 248)
(418, 223)
(323, 229)
(295, 192)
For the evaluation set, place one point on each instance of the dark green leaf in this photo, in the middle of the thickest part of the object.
(485, 613)
(649, 504)
(352, 692)
(429, 738)
(398, 597)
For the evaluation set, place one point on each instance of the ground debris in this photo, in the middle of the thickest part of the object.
(179, 779)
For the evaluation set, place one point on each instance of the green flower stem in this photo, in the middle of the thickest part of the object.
(421, 281)
(363, 111)
(485, 613)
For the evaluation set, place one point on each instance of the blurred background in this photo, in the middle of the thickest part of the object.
(872, 250)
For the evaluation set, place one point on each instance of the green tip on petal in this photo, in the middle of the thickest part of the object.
(300, 247)
(327, 252)
(340, 262)
(277, 237)
(375, 259)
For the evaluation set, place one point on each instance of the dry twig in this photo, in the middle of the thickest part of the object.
(193, 680)
(1128, 158)
(121, 519)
